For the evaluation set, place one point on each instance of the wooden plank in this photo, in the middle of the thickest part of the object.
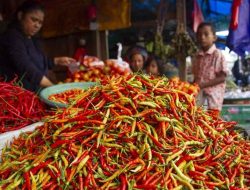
(181, 28)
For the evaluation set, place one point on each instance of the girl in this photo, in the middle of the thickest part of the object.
(137, 56)
(153, 66)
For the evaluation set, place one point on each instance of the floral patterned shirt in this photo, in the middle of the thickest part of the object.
(206, 66)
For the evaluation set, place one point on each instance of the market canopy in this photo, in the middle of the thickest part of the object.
(65, 17)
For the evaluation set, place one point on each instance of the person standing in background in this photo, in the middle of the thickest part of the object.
(209, 69)
(81, 51)
(20, 52)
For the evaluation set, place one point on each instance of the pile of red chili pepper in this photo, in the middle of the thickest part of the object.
(133, 132)
(66, 96)
(19, 107)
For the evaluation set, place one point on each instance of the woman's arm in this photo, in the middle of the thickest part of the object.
(21, 62)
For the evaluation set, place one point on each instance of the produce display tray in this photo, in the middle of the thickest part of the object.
(237, 112)
(46, 92)
(6, 138)
(236, 101)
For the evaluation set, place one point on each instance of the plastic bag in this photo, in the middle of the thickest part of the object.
(91, 61)
(118, 64)
(120, 67)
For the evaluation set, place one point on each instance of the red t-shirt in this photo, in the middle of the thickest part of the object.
(80, 53)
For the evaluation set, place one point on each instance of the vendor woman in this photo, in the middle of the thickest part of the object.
(20, 53)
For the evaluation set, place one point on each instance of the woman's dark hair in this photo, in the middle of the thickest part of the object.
(26, 7)
(137, 50)
(203, 24)
(29, 6)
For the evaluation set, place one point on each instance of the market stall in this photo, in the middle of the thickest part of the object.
(107, 128)
(132, 131)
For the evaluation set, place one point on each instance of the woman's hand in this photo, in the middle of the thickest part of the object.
(45, 82)
(63, 60)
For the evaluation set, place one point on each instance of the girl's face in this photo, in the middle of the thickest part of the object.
(205, 37)
(137, 62)
(153, 68)
(31, 22)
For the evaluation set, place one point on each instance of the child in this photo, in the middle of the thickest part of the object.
(153, 66)
(81, 51)
(137, 57)
(137, 62)
(209, 68)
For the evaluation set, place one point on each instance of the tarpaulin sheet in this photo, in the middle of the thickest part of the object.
(239, 32)
(66, 17)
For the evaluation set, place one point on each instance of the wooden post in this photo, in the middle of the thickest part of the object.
(104, 45)
(98, 44)
(181, 28)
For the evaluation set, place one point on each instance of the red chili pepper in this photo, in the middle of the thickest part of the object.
(144, 82)
(107, 97)
(143, 173)
(156, 180)
(88, 103)
(49, 184)
(81, 158)
(53, 187)
(197, 175)
(80, 180)
(149, 180)
(40, 166)
(124, 182)
(187, 136)
(234, 188)
(87, 180)
(145, 186)
(27, 180)
(218, 173)
(157, 143)
(229, 161)
(173, 108)
(222, 153)
(59, 143)
(200, 168)
(23, 187)
(236, 170)
(19, 107)
(52, 175)
(85, 121)
(176, 141)
(94, 182)
(69, 149)
(146, 112)
(159, 156)
(123, 108)
(5, 174)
